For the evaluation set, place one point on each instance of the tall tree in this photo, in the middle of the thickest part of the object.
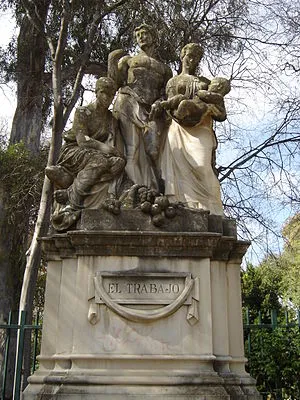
(29, 116)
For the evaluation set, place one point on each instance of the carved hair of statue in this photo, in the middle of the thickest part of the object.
(220, 85)
(106, 83)
(194, 48)
(148, 28)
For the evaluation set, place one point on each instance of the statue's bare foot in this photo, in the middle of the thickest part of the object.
(61, 196)
(58, 175)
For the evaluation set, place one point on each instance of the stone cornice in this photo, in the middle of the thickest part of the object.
(144, 244)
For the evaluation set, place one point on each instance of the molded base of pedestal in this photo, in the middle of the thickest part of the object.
(97, 385)
(120, 392)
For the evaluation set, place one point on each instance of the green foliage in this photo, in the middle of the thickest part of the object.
(290, 261)
(261, 287)
(291, 231)
(8, 62)
(274, 354)
(274, 361)
(21, 177)
(276, 280)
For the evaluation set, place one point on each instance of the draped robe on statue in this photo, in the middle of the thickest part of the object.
(186, 161)
(133, 114)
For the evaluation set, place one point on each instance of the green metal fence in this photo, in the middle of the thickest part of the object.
(19, 328)
(273, 324)
(12, 327)
(272, 345)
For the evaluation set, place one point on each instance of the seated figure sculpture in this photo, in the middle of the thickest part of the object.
(89, 164)
(187, 161)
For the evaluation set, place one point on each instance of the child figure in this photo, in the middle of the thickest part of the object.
(189, 111)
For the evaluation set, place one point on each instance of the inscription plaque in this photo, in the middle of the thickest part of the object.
(161, 293)
(144, 288)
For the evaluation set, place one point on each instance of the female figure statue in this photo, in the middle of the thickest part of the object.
(188, 155)
(89, 163)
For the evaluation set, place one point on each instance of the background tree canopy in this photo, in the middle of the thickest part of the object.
(274, 283)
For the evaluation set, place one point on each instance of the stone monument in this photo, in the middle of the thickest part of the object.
(143, 297)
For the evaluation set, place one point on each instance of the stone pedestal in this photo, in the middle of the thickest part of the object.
(143, 315)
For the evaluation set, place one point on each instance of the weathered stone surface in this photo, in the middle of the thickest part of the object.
(187, 160)
(229, 227)
(215, 223)
(186, 220)
(116, 392)
(143, 244)
(114, 329)
(191, 233)
(104, 160)
(143, 292)
(145, 79)
(89, 162)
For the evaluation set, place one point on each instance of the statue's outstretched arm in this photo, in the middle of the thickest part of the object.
(118, 66)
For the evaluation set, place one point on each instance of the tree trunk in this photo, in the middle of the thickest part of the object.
(28, 119)
(31, 271)
(27, 127)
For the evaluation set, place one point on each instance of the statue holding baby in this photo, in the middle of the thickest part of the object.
(160, 130)
(187, 159)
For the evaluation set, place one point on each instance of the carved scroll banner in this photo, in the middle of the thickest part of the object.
(126, 293)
